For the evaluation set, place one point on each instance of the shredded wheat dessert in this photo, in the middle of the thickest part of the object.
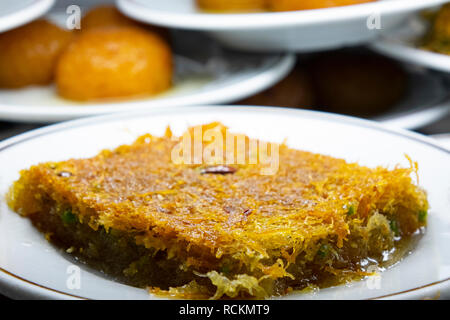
(196, 231)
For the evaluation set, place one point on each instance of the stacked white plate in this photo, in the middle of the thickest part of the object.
(304, 30)
(213, 75)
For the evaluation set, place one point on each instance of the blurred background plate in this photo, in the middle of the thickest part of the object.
(402, 44)
(211, 75)
(196, 83)
(18, 12)
(304, 30)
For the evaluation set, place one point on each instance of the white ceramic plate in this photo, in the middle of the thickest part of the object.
(30, 267)
(210, 76)
(18, 12)
(296, 30)
(443, 139)
(402, 45)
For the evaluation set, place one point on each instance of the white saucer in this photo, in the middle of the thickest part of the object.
(305, 30)
(18, 12)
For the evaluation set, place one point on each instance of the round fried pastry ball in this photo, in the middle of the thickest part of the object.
(105, 16)
(292, 5)
(294, 91)
(357, 83)
(109, 16)
(114, 62)
(232, 5)
(28, 54)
